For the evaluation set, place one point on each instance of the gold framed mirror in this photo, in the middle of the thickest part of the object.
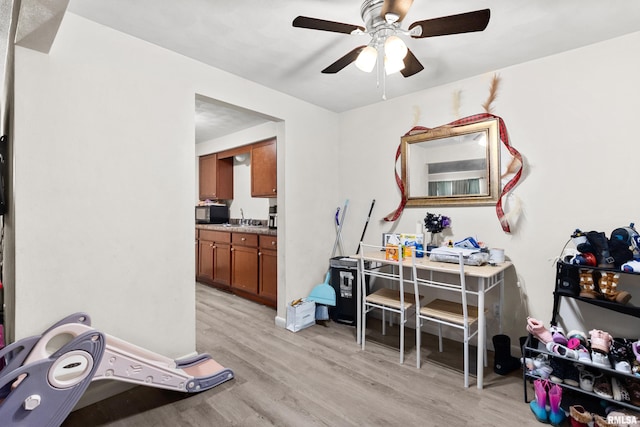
(452, 165)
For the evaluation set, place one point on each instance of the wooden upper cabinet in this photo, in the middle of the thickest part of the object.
(216, 177)
(263, 169)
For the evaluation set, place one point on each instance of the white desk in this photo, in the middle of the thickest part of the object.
(488, 277)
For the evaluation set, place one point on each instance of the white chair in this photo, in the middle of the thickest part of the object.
(457, 313)
(372, 264)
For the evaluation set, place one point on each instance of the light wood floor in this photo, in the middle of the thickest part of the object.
(317, 376)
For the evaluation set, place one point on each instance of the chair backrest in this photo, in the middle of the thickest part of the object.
(372, 258)
(460, 287)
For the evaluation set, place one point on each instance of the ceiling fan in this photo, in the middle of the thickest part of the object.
(382, 20)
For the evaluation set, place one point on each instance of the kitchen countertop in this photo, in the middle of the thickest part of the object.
(238, 229)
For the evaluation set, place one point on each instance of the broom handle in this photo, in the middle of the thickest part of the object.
(373, 202)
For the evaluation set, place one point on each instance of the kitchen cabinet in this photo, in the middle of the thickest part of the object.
(268, 268)
(215, 177)
(214, 258)
(244, 262)
(264, 169)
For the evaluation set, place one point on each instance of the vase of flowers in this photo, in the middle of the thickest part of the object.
(435, 224)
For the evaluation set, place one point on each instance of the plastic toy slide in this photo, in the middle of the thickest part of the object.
(44, 376)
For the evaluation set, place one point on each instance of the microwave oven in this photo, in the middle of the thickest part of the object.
(212, 214)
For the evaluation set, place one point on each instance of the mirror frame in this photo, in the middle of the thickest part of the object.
(490, 128)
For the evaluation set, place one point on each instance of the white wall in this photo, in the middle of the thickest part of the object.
(104, 184)
(573, 118)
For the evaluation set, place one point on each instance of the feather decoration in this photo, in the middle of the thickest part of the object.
(515, 210)
(416, 115)
(493, 94)
(456, 103)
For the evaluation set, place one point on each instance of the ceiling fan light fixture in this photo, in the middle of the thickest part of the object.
(393, 65)
(367, 59)
(395, 48)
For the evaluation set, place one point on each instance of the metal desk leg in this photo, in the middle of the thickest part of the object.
(501, 279)
(481, 334)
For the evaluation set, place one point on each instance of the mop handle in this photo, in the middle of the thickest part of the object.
(339, 233)
(373, 202)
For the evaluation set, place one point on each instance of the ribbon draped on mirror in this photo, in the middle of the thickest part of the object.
(514, 167)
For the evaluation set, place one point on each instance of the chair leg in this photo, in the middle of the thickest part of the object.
(418, 341)
(384, 322)
(363, 324)
(440, 348)
(485, 345)
(466, 362)
(401, 338)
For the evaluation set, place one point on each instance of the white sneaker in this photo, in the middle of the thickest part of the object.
(600, 359)
(561, 350)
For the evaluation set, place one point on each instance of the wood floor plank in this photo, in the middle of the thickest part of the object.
(315, 377)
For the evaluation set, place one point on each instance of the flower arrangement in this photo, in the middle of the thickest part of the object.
(436, 223)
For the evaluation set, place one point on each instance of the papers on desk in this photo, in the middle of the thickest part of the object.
(471, 256)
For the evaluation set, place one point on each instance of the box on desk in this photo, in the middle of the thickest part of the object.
(301, 315)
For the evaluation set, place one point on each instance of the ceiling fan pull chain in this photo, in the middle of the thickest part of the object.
(384, 87)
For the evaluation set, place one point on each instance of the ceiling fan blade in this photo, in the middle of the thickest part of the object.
(397, 7)
(344, 61)
(321, 24)
(411, 65)
(453, 24)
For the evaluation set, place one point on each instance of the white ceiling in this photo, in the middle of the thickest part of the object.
(254, 39)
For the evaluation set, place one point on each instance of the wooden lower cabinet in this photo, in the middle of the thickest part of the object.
(268, 268)
(243, 263)
(214, 258)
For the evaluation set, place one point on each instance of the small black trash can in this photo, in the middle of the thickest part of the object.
(345, 280)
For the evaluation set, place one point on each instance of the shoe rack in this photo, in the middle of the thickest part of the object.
(568, 286)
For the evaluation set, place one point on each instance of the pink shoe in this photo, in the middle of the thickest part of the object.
(636, 349)
(600, 341)
(557, 333)
(536, 327)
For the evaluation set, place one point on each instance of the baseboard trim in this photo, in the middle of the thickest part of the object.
(281, 322)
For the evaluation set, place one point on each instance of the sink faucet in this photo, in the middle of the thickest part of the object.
(242, 215)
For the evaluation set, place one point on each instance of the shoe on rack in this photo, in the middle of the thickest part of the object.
(586, 378)
(539, 366)
(537, 329)
(562, 350)
(619, 391)
(557, 333)
(580, 417)
(571, 374)
(633, 387)
(600, 341)
(602, 387)
(600, 359)
(599, 421)
(583, 355)
(608, 284)
(622, 355)
(587, 285)
(635, 348)
(558, 370)
(579, 335)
